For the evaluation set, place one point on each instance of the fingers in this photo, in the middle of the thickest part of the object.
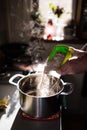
(66, 68)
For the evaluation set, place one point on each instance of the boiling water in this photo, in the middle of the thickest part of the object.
(44, 87)
(44, 84)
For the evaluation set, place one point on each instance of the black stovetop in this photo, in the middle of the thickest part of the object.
(23, 123)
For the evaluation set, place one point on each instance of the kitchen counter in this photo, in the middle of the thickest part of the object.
(8, 115)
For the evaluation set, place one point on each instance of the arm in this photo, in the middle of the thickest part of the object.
(74, 66)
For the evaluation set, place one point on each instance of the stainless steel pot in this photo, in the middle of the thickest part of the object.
(37, 105)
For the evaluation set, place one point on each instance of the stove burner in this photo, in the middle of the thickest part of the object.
(53, 117)
(23, 121)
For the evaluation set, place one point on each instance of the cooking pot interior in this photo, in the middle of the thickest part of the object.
(40, 85)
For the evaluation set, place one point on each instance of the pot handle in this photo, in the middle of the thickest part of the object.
(68, 88)
(11, 80)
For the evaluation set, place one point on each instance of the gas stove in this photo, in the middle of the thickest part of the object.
(23, 121)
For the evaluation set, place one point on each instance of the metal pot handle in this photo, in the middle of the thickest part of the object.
(11, 80)
(68, 88)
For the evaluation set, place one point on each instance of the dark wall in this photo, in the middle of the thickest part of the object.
(3, 23)
(14, 20)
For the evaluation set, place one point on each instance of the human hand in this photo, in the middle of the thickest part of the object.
(73, 66)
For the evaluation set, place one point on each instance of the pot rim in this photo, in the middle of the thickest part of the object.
(33, 74)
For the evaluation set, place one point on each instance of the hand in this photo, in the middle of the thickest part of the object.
(68, 67)
(74, 66)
